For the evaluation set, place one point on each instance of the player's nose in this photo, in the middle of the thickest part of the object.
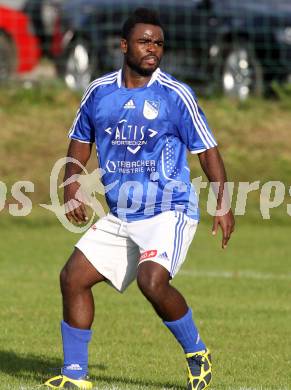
(151, 47)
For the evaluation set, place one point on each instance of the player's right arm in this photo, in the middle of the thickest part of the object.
(198, 138)
(75, 208)
(82, 137)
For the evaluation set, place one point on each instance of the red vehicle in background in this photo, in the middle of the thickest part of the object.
(19, 48)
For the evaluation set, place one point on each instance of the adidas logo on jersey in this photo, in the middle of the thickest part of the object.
(129, 104)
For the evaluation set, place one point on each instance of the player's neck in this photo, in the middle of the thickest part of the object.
(132, 79)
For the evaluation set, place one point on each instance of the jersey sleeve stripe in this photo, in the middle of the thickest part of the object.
(111, 77)
(74, 124)
(197, 151)
(198, 121)
(196, 124)
(194, 105)
(92, 86)
(79, 140)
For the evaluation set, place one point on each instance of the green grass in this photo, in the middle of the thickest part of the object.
(241, 297)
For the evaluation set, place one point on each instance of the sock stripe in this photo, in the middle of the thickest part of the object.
(185, 332)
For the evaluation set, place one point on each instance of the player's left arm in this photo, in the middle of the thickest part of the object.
(213, 166)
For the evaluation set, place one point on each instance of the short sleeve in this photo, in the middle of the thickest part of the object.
(82, 128)
(192, 125)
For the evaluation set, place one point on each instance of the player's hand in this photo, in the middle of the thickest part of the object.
(74, 206)
(226, 223)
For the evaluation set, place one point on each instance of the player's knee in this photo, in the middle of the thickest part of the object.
(153, 280)
(64, 280)
(150, 285)
(67, 281)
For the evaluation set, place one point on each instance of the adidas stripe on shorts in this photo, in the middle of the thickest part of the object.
(116, 248)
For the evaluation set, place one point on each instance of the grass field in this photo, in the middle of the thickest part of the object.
(241, 296)
(241, 300)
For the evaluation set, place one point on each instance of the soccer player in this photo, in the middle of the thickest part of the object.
(143, 122)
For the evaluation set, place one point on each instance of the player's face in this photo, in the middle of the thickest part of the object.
(143, 50)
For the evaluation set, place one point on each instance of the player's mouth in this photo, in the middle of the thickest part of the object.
(151, 60)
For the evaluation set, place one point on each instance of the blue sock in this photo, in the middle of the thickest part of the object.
(186, 333)
(75, 347)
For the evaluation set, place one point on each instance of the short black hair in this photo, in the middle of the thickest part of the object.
(140, 15)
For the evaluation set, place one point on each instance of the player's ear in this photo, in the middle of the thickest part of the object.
(123, 45)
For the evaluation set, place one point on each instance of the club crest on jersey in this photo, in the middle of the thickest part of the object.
(151, 109)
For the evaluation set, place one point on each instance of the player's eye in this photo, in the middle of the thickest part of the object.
(144, 41)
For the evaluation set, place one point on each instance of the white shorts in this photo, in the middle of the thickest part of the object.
(116, 248)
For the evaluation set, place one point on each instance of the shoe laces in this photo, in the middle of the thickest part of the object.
(197, 359)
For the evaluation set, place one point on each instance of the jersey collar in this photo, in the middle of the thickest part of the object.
(152, 80)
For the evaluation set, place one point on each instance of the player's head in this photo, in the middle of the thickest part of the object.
(142, 41)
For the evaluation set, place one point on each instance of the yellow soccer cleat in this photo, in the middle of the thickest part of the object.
(199, 370)
(63, 382)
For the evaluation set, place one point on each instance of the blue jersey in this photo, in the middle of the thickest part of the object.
(142, 137)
